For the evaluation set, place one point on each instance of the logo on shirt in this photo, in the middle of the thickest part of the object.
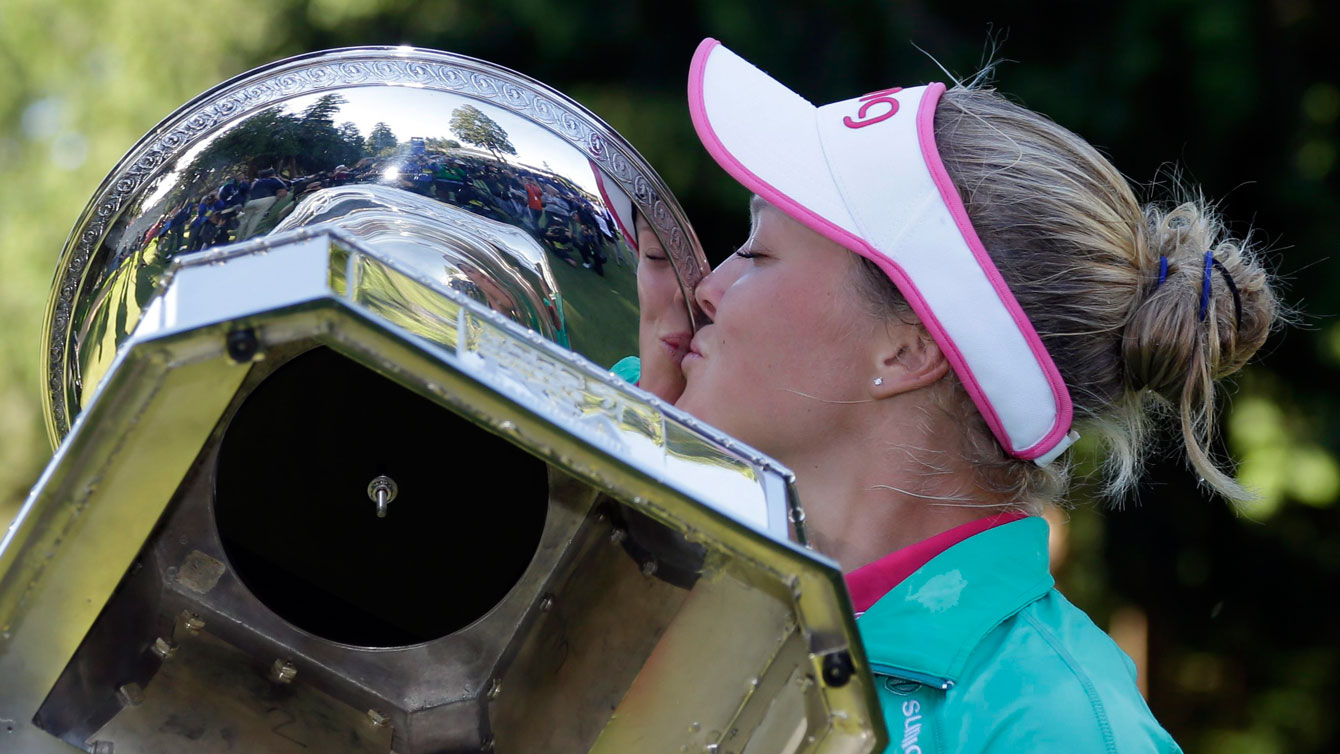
(941, 592)
(911, 727)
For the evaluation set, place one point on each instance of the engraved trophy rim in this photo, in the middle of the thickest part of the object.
(330, 70)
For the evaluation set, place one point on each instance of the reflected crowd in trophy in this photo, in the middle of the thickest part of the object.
(304, 152)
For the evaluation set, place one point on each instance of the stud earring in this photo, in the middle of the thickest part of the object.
(879, 381)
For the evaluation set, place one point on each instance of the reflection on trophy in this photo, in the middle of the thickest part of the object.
(341, 466)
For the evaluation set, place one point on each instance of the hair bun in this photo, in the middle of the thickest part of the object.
(1203, 321)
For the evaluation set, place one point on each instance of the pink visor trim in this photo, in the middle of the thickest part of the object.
(1042, 446)
(616, 210)
(952, 200)
(746, 177)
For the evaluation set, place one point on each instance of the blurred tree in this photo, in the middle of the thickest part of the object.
(441, 145)
(474, 127)
(381, 140)
(298, 144)
(351, 136)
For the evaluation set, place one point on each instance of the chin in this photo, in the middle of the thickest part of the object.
(667, 388)
(700, 407)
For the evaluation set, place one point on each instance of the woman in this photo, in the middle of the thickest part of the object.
(937, 285)
(664, 330)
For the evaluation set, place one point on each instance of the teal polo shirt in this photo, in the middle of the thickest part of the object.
(975, 651)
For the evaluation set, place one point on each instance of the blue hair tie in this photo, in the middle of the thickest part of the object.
(1163, 271)
(1205, 285)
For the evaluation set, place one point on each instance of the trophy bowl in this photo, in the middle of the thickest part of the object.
(341, 464)
(464, 143)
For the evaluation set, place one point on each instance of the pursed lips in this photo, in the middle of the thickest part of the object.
(693, 347)
(677, 345)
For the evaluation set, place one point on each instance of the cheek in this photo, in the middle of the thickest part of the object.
(801, 334)
(655, 290)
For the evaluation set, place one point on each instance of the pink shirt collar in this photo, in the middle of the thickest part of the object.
(874, 580)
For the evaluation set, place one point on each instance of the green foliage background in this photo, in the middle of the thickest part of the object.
(1241, 97)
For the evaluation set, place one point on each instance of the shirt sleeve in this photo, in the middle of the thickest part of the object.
(628, 369)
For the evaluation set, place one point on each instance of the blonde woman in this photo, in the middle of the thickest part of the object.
(939, 290)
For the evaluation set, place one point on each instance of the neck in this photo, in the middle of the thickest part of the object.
(866, 499)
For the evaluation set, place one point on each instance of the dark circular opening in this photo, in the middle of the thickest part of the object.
(294, 514)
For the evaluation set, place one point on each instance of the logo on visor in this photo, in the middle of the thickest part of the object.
(868, 101)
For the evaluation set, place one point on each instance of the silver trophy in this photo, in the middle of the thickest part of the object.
(341, 466)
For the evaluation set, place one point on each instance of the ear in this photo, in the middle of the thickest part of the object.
(906, 358)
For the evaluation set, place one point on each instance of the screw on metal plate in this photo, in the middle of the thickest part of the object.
(102, 747)
(163, 648)
(377, 719)
(487, 745)
(242, 346)
(649, 568)
(283, 671)
(837, 668)
(546, 603)
(495, 688)
(130, 695)
(617, 536)
(191, 622)
(382, 491)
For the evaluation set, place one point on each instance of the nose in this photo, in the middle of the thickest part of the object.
(708, 292)
(710, 289)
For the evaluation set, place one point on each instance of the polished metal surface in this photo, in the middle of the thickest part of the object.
(342, 127)
(211, 561)
(663, 607)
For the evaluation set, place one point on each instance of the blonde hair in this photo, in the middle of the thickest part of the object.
(1082, 256)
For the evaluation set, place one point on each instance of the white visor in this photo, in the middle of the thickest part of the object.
(866, 174)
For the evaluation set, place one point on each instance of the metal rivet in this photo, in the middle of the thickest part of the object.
(377, 719)
(130, 695)
(495, 688)
(649, 568)
(617, 536)
(163, 648)
(382, 490)
(547, 603)
(242, 345)
(283, 671)
(192, 622)
(837, 668)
